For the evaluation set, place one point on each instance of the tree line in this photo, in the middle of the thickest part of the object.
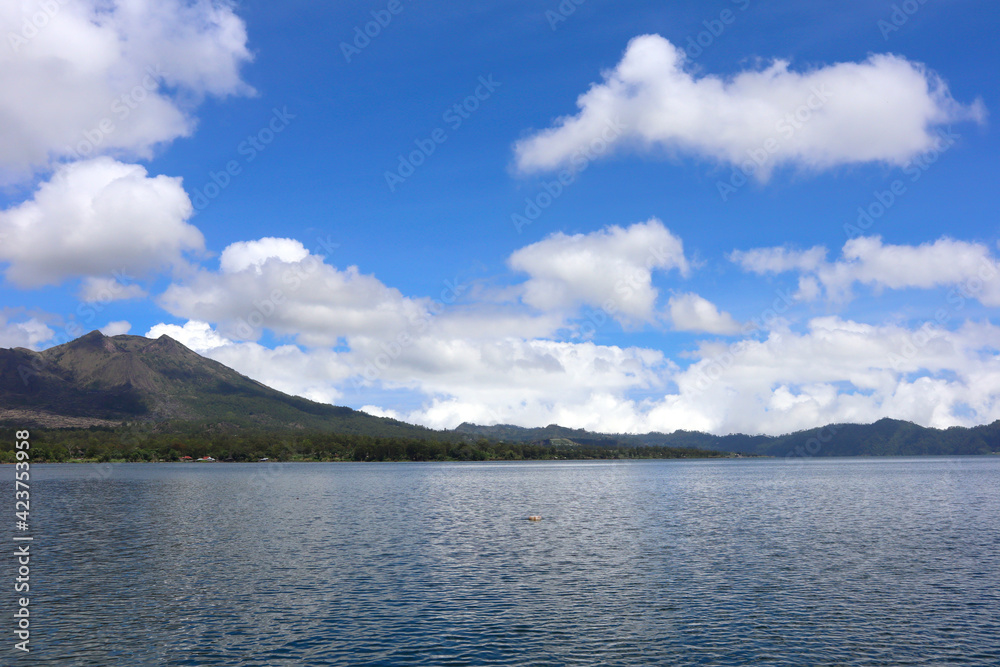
(136, 444)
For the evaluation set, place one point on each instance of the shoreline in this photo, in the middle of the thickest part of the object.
(552, 460)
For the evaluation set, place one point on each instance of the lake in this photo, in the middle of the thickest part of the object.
(891, 561)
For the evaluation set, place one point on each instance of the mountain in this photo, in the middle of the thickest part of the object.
(98, 380)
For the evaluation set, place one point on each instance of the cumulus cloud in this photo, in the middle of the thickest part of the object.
(106, 290)
(836, 371)
(611, 269)
(316, 375)
(690, 312)
(534, 382)
(95, 77)
(884, 109)
(29, 333)
(245, 254)
(271, 284)
(779, 260)
(194, 335)
(116, 328)
(277, 284)
(840, 371)
(359, 338)
(376, 411)
(97, 218)
(970, 268)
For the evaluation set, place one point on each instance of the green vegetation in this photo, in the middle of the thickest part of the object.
(143, 443)
(169, 441)
(887, 437)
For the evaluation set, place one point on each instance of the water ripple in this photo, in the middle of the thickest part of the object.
(846, 562)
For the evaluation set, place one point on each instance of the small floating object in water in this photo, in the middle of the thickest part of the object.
(534, 517)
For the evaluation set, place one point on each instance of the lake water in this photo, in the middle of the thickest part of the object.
(732, 562)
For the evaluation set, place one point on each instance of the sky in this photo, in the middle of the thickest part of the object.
(629, 216)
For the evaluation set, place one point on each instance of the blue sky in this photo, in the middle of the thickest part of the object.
(238, 176)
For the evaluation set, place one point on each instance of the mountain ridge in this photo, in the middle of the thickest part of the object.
(885, 437)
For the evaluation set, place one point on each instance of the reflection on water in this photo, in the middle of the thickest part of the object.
(823, 562)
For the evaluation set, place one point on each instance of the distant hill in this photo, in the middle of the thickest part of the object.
(98, 380)
(886, 437)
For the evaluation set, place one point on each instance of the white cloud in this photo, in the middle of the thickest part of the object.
(278, 285)
(29, 333)
(113, 78)
(365, 339)
(376, 411)
(533, 382)
(835, 371)
(944, 262)
(116, 328)
(839, 371)
(884, 109)
(778, 260)
(970, 268)
(106, 290)
(484, 321)
(263, 286)
(245, 254)
(690, 312)
(611, 269)
(97, 218)
(194, 335)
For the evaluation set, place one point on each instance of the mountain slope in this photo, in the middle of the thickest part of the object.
(96, 380)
